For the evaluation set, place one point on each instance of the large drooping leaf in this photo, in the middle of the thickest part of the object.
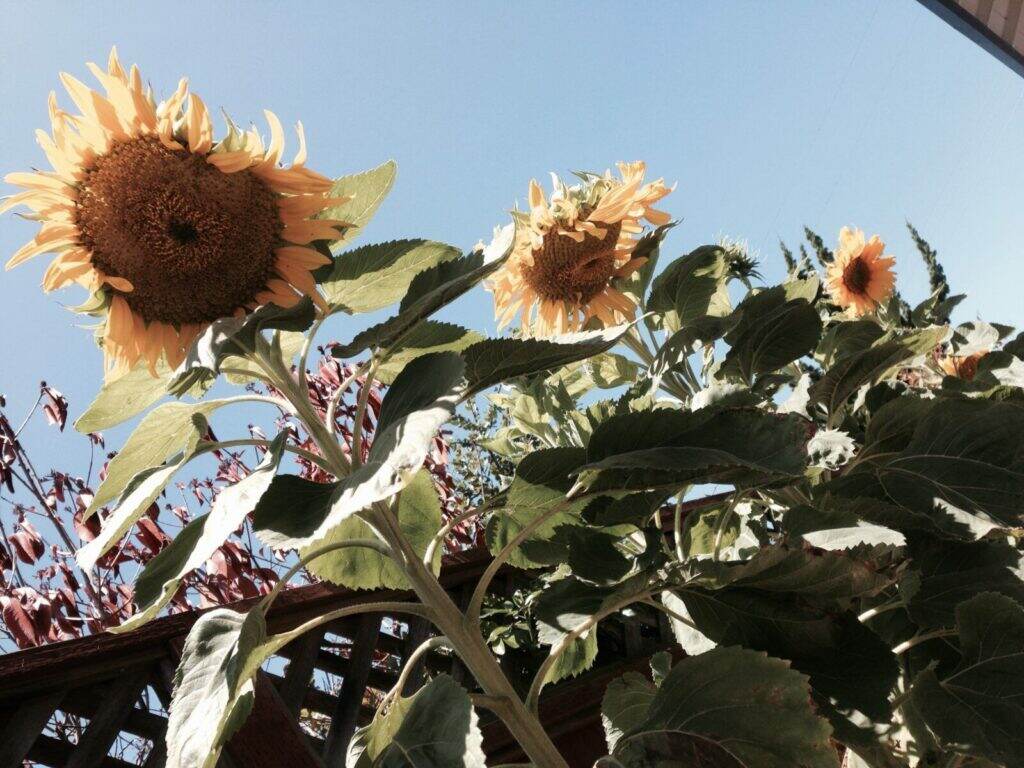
(947, 573)
(213, 687)
(367, 191)
(963, 468)
(821, 575)
(846, 661)
(853, 371)
(753, 707)
(164, 431)
(492, 361)
(197, 541)
(978, 709)
(691, 286)
(625, 704)
(419, 517)
(770, 338)
(428, 292)
(429, 336)
(838, 526)
(435, 728)
(236, 337)
(540, 484)
(142, 491)
(293, 515)
(374, 276)
(124, 397)
(648, 449)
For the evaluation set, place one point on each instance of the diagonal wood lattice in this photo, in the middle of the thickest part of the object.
(118, 686)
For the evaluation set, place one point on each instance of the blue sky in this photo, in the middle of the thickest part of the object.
(769, 115)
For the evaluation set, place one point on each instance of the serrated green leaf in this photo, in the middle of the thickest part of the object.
(429, 336)
(374, 276)
(213, 687)
(978, 709)
(753, 707)
(293, 514)
(419, 517)
(428, 292)
(624, 706)
(124, 397)
(367, 190)
(540, 483)
(492, 361)
(197, 541)
(650, 449)
(435, 728)
(773, 340)
(869, 366)
(165, 431)
(691, 286)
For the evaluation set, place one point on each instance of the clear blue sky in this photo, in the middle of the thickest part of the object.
(768, 114)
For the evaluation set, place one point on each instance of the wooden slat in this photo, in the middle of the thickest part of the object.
(54, 752)
(300, 670)
(270, 736)
(141, 722)
(419, 631)
(350, 700)
(105, 725)
(23, 724)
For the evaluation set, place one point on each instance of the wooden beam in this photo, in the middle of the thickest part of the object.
(104, 726)
(419, 631)
(350, 700)
(303, 654)
(23, 724)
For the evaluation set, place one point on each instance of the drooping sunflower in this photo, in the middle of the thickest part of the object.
(167, 227)
(569, 252)
(961, 366)
(860, 277)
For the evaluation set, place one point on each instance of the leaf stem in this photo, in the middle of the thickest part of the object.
(916, 640)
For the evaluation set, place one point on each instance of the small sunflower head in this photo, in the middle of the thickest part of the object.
(860, 277)
(961, 366)
(167, 227)
(572, 248)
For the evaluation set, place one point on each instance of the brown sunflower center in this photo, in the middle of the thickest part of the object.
(857, 276)
(564, 270)
(196, 243)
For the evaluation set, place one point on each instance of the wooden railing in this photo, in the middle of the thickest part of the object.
(101, 701)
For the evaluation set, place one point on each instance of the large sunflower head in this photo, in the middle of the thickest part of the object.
(169, 228)
(860, 278)
(571, 249)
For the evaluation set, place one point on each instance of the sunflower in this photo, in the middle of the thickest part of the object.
(570, 251)
(961, 366)
(168, 228)
(860, 278)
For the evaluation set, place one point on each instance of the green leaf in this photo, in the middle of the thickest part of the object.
(367, 190)
(142, 491)
(293, 514)
(648, 449)
(691, 286)
(435, 728)
(492, 361)
(838, 527)
(165, 431)
(771, 339)
(419, 517)
(648, 247)
(236, 336)
(951, 572)
(428, 336)
(869, 366)
(624, 707)
(196, 543)
(213, 687)
(978, 709)
(429, 291)
(846, 661)
(753, 707)
(377, 275)
(963, 468)
(541, 482)
(123, 398)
